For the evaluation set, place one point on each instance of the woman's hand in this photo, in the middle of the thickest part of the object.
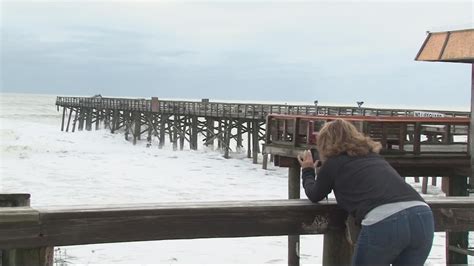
(306, 159)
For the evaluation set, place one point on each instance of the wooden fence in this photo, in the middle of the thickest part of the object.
(38, 229)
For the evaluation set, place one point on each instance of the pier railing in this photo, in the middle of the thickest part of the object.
(399, 136)
(236, 110)
(44, 227)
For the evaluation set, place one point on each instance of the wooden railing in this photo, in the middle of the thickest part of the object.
(234, 110)
(398, 135)
(44, 227)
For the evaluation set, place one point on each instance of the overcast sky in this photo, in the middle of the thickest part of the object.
(334, 51)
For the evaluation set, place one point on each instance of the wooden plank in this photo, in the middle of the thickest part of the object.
(100, 224)
(19, 214)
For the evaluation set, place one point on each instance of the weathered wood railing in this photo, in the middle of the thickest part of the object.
(234, 110)
(40, 227)
(398, 135)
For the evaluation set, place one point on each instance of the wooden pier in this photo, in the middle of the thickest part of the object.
(228, 124)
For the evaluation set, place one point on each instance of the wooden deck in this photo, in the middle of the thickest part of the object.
(433, 143)
(234, 110)
(184, 121)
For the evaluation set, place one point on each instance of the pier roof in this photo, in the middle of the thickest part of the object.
(448, 46)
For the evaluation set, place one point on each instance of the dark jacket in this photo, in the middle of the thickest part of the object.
(360, 183)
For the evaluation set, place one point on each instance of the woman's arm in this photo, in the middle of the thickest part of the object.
(318, 188)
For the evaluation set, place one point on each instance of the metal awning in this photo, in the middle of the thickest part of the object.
(448, 46)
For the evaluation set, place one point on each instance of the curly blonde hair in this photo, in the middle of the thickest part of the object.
(339, 136)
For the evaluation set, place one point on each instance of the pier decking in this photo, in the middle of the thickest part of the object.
(183, 121)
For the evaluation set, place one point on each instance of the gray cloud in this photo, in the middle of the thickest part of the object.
(339, 52)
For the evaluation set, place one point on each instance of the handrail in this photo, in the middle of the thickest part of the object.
(238, 110)
(24, 227)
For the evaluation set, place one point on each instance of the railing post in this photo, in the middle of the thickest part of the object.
(337, 250)
(42, 256)
(294, 193)
(255, 129)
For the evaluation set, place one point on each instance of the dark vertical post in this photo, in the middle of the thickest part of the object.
(106, 118)
(114, 121)
(126, 121)
(175, 132)
(294, 193)
(457, 186)
(249, 140)
(97, 118)
(471, 128)
(210, 133)
(219, 133)
(227, 132)
(62, 121)
(239, 136)
(69, 119)
(447, 136)
(42, 256)
(75, 120)
(136, 127)
(162, 130)
(265, 161)
(424, 185)
(255, 147)
(119, 116)
(81, 119)
(89, 119)
(337, 250)
(183, 134)
(150, 128)
(417, 139)
(194, 133)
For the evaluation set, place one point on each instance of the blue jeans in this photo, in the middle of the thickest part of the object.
(404, 238)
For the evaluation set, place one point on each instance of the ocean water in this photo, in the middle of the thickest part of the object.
(97, 167)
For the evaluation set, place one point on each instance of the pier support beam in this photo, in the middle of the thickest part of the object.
(182, 137)
(163, 119)
(255, 148)
(227, 131)
(219, 133)
(69, 119)
(249, 140)
(239, 146)
(210, 133)
(175, 132)
(97, 118)
(137, 127)
(89, 119)
(81, 119)
(194, 133)
(115, 118)
(62, 121)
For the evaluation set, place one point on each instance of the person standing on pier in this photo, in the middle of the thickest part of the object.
(397, 224)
